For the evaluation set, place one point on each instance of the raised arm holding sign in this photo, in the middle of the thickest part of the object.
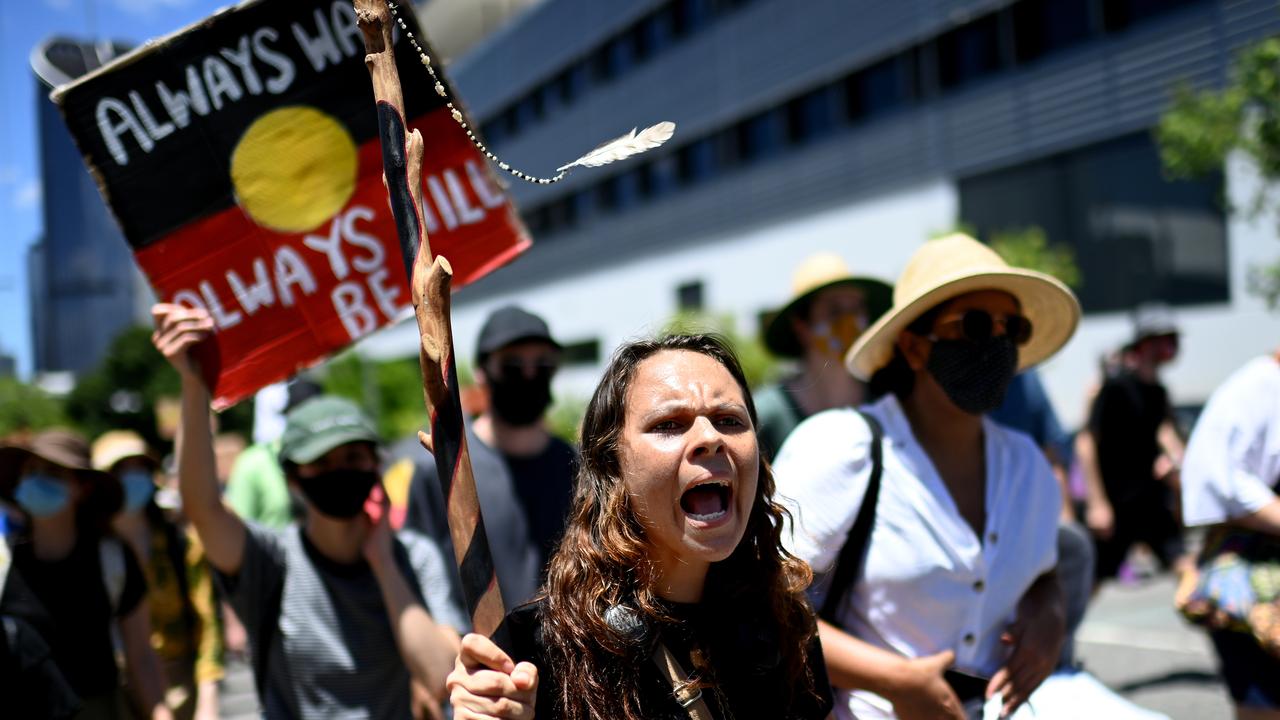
(341, 611)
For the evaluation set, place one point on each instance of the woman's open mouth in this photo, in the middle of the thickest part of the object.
(707, 502)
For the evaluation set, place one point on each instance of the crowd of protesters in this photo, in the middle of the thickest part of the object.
(900, 527)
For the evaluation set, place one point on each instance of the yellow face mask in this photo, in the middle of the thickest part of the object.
(832, 338)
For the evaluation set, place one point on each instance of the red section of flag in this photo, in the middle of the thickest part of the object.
(285, 301)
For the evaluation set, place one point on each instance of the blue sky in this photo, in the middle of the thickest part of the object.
(23, 25)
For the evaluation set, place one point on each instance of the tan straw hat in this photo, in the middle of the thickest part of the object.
(115, 445)
(957, 264)
(815, 274)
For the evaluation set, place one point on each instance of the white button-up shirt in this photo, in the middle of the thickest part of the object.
(1233, 458)
(929, 582)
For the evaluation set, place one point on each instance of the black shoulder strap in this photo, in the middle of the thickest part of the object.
(849, 563)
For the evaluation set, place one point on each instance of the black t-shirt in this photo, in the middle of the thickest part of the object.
(748, 673)
(544, 483)
(73, 593)
(1125, 420)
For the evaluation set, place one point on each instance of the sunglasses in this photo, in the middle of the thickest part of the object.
(980, 326)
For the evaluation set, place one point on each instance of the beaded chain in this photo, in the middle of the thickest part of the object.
(457, 114)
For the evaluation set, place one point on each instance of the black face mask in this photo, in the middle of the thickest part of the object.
(519, 400)
(339, 493)
(974, 374)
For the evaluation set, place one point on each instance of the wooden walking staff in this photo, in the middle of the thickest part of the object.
(429, 280)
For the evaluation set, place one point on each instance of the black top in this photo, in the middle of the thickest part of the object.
(73, 593)
(1125, 419)
(748, 675)
(30, 682)
(544, 483)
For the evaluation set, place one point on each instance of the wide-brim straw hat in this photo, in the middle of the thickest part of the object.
(68, 450)
(815, 274)
(955, 265)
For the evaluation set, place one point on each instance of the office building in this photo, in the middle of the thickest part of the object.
(84, 287)
(865, 127)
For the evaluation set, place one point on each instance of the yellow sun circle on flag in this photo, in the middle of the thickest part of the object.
(294, 168)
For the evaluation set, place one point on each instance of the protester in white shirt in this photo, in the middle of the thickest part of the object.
(1231, 476)
(1232, 461)
(959, 568)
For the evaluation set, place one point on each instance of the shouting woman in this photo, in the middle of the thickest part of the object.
(670, 595)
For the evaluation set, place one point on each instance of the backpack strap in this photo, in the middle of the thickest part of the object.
(111, 558)
(850, 560)
(114, 576)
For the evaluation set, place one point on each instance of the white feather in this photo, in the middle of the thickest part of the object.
(633, 143)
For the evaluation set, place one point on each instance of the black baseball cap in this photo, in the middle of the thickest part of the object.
(509, 325)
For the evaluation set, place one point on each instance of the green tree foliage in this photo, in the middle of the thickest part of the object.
(1029, 248)
(564, 420)
(758, 364)
(389, 390)
(26, 408)
(121, 392)
(1202, 127)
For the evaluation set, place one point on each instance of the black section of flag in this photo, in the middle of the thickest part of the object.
(159, 125)
(395, 166)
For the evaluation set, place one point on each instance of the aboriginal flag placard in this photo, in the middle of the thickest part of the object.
(241, 158)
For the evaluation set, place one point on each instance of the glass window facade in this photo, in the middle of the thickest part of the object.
(1016, 34)
(970, 52)
(1136, 236)
(1043, 27)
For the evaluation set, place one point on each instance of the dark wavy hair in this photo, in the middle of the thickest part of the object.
(604, 560)
(896, 376)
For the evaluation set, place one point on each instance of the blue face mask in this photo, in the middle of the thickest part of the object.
(138, 489)
(42, 495)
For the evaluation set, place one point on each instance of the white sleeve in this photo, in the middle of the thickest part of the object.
(1220, 470)
(821, 473)
(1219, 476)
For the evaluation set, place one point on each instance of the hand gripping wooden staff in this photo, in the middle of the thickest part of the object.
(429, 279)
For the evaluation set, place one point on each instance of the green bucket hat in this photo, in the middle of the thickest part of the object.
(321, 424)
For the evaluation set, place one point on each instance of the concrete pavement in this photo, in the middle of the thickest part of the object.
(1134, 642)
